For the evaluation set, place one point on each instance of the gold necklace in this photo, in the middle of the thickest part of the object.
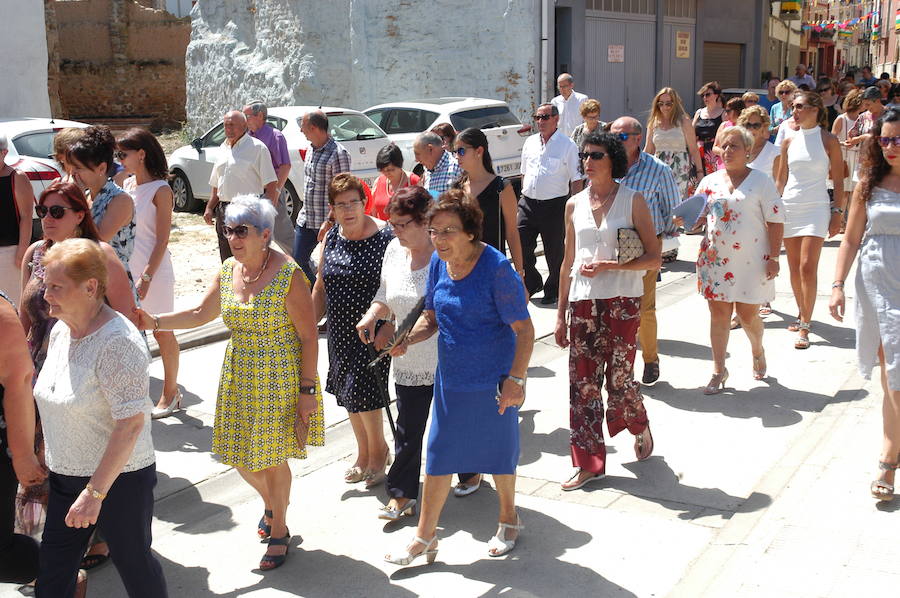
(261, 270)
(605, 200)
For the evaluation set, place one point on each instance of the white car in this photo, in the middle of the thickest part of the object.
(192, 164)
(403, 121)
(31, 150)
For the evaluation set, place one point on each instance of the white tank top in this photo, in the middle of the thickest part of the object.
(669, 140)
(593, 243)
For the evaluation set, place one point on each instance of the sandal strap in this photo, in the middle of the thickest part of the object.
(805, 325)
(426, 543)
(885, 466)
(518, 526)
(280, 541)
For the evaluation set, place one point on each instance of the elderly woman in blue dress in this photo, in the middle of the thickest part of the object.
(873, 231)
(476, 303)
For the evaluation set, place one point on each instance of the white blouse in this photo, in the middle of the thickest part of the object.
(400, 290)
(85, 386)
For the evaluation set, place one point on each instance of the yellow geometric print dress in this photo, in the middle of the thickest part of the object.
(260, 382)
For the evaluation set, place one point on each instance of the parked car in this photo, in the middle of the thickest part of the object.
(31, 152)
(403, 121)
(192, 164)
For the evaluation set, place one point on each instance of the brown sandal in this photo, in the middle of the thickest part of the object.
(639, 444)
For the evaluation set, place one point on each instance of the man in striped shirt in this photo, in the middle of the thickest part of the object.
(655, 181)
(441, 167)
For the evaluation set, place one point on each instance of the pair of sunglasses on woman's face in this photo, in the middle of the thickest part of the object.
(56, 212)
(889, 141)
(240, 231)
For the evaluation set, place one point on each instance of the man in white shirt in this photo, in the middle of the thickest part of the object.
(244, 167)
(568, 103)
(549, 175)
(801, 77)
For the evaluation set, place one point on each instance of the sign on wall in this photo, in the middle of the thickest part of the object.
(615, 53)
(682, 44)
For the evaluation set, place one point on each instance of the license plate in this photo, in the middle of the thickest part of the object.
(512, 167)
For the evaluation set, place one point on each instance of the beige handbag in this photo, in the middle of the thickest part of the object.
(629, 246)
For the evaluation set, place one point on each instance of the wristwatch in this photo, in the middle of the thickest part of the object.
(308, 390)
(146, 277)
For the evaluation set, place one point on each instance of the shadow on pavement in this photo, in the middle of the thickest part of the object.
(838, 336)
(533, 445)
(685, 349)
(183, 505)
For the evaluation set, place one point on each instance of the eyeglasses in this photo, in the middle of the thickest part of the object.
(240, 231)
(120, 155)
(665, 104)
(460, 151)
(401, 225)
(450, 230)
(56, 212)
(753, 126)
(785, 92)
(592, 155)
(346, 207)
(889, 141)
(543, 116)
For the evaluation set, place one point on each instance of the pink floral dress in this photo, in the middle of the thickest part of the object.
(731, 266)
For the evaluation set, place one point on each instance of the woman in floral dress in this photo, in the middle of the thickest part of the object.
(739, 255)
(671, 138)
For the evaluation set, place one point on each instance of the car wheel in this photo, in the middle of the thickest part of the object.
(291, 202)
(183, 196)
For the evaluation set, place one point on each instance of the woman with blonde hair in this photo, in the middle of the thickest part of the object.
(808, 159)
(671, 138)
(763, 153)
(853, 106)
(781, 111)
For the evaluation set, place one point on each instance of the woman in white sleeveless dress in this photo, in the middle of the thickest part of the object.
(600, 309)
(150, 263)
(807, 160)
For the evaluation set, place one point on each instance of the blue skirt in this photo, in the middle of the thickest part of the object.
(467, 433)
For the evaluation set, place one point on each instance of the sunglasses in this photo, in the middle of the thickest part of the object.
(624, 136)
(240, 231)
(120, 155)
(460, 151)
(56, 212)
(709, 93)
(591, 155)
(889, 141)
(543, 116)
(785, 92)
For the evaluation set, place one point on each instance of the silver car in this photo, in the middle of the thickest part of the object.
(191, 165)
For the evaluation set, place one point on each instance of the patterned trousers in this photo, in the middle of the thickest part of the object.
(603, 341)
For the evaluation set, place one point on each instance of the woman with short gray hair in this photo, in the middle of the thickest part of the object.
(16, 199)
(270, 405)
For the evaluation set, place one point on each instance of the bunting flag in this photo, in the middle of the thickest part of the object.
(897, 20)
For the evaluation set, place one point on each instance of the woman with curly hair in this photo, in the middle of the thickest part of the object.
(600, 308)
(873, 231)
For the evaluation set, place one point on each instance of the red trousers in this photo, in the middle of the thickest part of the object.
(603, 341)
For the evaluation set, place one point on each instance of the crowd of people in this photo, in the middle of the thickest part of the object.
(429, 277)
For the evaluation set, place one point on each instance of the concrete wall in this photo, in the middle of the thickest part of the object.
(357, 53)
(733, 23)
(119, 58)
(23, 70)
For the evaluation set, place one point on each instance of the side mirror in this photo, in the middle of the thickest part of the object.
(197, 144)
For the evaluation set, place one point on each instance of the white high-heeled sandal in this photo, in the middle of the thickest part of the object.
(500, 544)
(409, 557)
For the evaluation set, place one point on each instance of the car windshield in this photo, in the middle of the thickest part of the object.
(484, 118)
(353, 127)
(36, 145)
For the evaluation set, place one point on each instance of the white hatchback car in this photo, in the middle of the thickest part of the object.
(191, 165)
(403, 121)
(31, 150)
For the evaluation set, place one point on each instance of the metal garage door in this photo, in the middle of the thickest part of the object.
(723, 63)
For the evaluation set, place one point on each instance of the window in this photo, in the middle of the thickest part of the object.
(408, 120)
(353, 127)
(215, 137)
(35, 145)
(377, 115)
(484, 118)
(278, 123)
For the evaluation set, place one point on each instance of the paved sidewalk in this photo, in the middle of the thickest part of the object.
(759, 491)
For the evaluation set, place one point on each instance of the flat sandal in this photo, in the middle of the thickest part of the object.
(880, 489)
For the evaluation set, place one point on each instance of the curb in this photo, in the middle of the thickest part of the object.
(188, 339)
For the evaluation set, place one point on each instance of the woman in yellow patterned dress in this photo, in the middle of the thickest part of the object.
(268, 390)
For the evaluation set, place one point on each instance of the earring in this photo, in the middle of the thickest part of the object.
(77, 231)
(748, 156)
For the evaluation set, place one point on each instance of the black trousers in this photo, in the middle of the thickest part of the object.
(125, 518)
(18, 553)
(413, 405)
(544, 217)
(224, 247)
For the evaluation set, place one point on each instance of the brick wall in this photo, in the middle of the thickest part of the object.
(120, 58)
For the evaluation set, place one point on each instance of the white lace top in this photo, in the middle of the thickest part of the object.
(400, 290)
(87, 384)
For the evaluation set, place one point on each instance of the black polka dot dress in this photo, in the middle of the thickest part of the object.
(352, 273)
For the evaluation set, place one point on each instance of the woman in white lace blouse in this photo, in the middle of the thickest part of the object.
(93, 398)
(404, 274)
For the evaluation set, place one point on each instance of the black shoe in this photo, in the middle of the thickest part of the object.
(548, 300)
(651, 374)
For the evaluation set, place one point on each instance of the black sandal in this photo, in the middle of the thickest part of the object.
(92, 561)
(264, 530)
(273, 561)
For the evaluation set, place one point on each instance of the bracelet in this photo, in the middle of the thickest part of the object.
(155, 323)
(838, 284)
(837, 211)
(93, 492)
